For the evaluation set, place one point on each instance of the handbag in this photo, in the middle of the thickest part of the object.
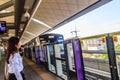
(6, 71)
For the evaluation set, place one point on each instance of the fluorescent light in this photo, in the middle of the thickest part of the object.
(30, 33)
(40, 22)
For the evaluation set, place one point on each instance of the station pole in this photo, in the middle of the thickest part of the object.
(112, 58)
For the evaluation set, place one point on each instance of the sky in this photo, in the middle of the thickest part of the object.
(104, 19)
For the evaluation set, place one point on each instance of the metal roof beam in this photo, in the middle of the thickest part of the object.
(6, 5)
(6, 14)
(10, 26)
(18, 13)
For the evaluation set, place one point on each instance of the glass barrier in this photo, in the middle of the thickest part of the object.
(60, 60)
(75, 61)
(71, 57)
(61, 69)
(95, 58)
(116, 39)
(51, 58)
(59, 51)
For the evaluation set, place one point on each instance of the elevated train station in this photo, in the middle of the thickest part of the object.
(49, 56)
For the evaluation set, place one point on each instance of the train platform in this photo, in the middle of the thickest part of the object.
(32, 71)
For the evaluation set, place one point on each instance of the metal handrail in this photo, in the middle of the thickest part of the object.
(98, 52)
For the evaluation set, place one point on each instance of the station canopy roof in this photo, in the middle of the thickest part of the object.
(36, 17)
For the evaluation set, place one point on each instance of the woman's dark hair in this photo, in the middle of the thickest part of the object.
(11, 48)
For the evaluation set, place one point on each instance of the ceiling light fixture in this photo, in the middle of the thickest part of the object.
(41, 23)
(30, 33)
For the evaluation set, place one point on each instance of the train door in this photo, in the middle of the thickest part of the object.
(51, 58)
(37, 51)
(60, 59)
(45, 53)
(33, 54)
(44, 57)
(25, 51)
(41, 56)
(29, 54)
(74, 60)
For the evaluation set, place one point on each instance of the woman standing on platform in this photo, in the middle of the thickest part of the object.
(14, 60)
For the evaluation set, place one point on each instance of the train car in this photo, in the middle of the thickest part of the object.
(47, 39)
(52, 55)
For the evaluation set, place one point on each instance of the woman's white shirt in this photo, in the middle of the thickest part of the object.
(15, 65)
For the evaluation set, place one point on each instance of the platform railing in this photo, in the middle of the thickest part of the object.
(98, 52)
(98, 63)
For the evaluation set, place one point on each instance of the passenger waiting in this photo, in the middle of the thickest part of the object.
(14, 60)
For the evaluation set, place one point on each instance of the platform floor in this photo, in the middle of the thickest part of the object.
(32, 71)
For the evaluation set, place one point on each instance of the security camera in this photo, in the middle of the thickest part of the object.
(27, 15)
